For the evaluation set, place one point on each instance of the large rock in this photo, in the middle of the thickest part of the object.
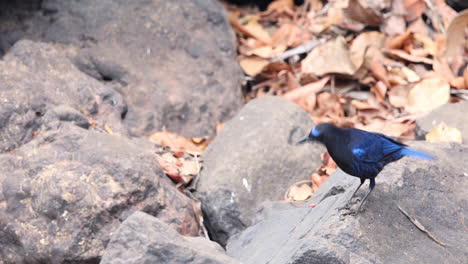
(254, 159)
(35, 78)
(172, 60)
(454, 115)
(433, 193)
(145, 239)
(64, 193)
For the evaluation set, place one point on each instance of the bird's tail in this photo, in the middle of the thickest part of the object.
(417, 154)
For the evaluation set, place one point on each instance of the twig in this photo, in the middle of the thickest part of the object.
(421, 227)
(304, 48)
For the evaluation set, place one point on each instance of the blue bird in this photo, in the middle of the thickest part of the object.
(360, 153)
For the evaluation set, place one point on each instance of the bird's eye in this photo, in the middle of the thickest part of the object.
(315, 132)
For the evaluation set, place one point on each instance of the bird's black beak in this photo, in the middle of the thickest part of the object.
(302, 140)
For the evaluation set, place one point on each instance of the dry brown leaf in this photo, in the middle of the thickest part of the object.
(444, 133)
(414, 9)
(456, 35)
(394, 25)
(253, 65)
(398, 96)
(410, 75)
(360, 11)
(311, 88)
(465, 77)
(266, 52)
(399, 54)
(175, 143)
(300, 193)
(384, 126)
(250, 27)
(316, 179)
(331, 57)
(428, 94)
(362, 43)
(398, 41)
(280, 7)
(458, 83)
(380, 90)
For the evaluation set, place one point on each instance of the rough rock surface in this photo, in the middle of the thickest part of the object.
(38, 84)
(143, 238)
(454, 115)
(63, 194)
(173, 61)
(254, 159)
(434, 193)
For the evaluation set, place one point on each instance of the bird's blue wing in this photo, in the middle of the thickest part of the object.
(375, 147)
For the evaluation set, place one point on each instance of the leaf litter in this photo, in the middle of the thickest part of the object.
(373, 65)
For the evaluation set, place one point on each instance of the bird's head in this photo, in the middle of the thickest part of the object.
(317, 133)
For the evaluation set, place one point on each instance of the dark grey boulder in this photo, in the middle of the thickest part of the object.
(143, 238)
(65, 192)
(433, 192)
(254, 159)
(40, 85)
(173, 61)
(454, 115)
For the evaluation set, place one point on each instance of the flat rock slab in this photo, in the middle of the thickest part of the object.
(454, 115)
(143, 238)
(173, 61)
(433, 193)
(254, 159)
(64, 193)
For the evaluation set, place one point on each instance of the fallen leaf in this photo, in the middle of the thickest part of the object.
(266, 51)
(444, 133)
(300, 193)
(428, 94)
(387, 127)
(410, 75)
(250, 27)
(394, 25)
(311, 88)
(456, 36)
(458, 83)
(362, 43)
(398, 96)
(360, 11)
(398, 41)
(414, 9)
(331, 57)
(407, 57)
(175, 143)
(253, 65)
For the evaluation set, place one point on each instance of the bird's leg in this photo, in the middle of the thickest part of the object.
(362, 182)
(371, 188)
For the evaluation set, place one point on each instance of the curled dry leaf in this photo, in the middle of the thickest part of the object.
(444, 133)
(299, 192)
(331, 57)
(363, 11)
(250, 27)
(175, 143)
(400, 54)
(253, 65)
(428, 94)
